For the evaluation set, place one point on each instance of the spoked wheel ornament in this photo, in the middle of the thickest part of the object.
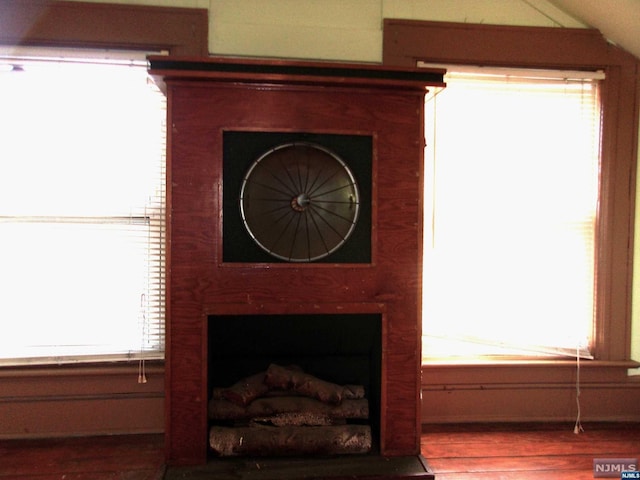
(299, 202)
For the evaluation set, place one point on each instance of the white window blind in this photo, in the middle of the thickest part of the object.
(82, 211)
(511, 193)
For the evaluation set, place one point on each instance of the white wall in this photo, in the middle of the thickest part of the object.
(349, 30)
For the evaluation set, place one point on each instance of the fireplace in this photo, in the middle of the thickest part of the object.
(324, 354)
(352, 315)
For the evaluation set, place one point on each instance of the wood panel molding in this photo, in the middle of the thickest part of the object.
(181, 31)
(407, 41)
(74, 400)
(532, 391)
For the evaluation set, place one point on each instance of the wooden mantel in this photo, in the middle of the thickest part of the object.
(210, 96)
(254, 70)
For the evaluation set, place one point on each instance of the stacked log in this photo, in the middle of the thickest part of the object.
(285, 411)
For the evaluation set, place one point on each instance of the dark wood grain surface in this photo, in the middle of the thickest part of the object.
(201, 284)
(462, 452)
(525, 452)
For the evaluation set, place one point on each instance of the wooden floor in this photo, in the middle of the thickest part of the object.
(131, 457)
(525, 452)
(495, 452)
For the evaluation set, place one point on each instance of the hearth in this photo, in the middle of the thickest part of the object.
(350, 467)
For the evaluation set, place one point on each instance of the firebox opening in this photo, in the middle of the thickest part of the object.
(344, 349)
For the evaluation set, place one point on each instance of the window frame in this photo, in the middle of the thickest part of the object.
(67, 24)
(129, 230)
(533, 88)
(406, 42)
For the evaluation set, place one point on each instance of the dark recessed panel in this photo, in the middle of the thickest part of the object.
(296, 197)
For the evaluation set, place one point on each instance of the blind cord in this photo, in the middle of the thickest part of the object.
(142, 374)
(578, 426)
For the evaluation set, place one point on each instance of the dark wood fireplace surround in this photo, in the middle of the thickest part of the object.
(207, 97)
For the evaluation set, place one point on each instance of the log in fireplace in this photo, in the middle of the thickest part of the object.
(294, 384)
(371, 120)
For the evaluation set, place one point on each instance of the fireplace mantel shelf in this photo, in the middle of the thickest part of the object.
(287, 71)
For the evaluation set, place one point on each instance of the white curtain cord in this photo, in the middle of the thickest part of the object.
(578, 426)
(142, 377)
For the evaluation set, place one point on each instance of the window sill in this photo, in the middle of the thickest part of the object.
(526, 373)
(82, 370)
(528, 362)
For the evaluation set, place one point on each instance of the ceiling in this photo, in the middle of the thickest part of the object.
(618, 20)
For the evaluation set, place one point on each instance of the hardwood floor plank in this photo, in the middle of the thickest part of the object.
(516, 476)
(129, 456)
(524, 451)
(515, 464)
(112, 475)
(525, 448)
(543, 433)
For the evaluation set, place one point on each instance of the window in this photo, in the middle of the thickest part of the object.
(407, 41)
(511, 194)
(82, 205)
